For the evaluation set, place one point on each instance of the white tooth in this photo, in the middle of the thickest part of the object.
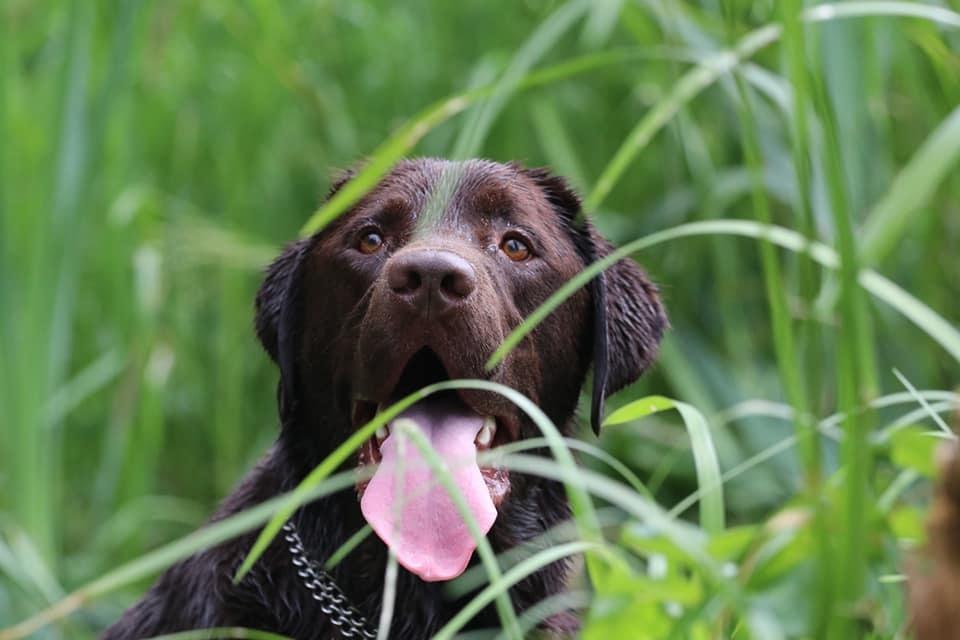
(382, 434)
(485, 437)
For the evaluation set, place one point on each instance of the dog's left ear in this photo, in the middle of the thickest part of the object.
(629, 322)
(628, 317)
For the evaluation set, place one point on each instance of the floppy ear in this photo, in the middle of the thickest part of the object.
(628, 316)
(628, 306)
(279, 304)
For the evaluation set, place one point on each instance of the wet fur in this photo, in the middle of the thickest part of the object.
(934, 572)
(320, 304)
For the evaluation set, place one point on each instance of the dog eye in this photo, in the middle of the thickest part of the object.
(370, 242)
(515, 248)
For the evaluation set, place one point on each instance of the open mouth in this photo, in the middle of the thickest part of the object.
(405, 501)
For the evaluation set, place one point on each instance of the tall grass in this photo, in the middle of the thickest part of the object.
(779, 167)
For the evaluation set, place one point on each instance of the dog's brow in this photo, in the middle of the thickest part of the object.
(440, 197)
(493, 199)
(395, 210)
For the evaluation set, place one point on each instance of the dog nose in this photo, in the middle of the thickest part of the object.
(433, 281)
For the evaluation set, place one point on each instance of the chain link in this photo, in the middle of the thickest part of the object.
(333, 602)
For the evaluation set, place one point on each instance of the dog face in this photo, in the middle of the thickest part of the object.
(420, 282)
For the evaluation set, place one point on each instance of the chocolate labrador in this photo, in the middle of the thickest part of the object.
(418, 282)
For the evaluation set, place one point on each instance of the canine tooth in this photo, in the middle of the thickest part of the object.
(485, 437)
(382, 434)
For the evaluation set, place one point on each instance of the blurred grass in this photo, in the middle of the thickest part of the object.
(154, 156)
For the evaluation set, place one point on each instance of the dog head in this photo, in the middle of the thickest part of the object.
(420, 282)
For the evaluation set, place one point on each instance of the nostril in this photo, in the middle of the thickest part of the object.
(404, 278)
(413, 281)
(458, 283)
(448, 282)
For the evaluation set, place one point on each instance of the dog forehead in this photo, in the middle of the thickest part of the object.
(444, 193)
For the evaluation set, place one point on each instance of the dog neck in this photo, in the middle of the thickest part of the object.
(534, 508)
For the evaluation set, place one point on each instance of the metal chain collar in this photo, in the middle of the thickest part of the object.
(333, 602)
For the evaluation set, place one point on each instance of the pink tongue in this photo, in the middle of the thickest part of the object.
(408, 507)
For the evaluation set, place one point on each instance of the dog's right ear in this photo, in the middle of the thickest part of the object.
(279, 306)
(277, 320)
(278, 285)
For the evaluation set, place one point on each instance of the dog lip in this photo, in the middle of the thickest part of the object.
(386, 385)
(382, 391)
(361, 412)
(508, 424)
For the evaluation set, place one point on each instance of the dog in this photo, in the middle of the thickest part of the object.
(419, 282)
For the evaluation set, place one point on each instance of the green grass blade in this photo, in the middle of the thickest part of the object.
(389, 596)
(556, 143)
(701, 444)
(855, 374)
(804, 395)
(557, 603)
(542, 40)
(937, 420)
(946, 400)
(84, 384)
(513, 576)
(689, 86)
(474, 577)
(691, 541)
(774, 282)
(933, 13)
(825, 427)
(788, 358)
(746, 465)
(352, 542)
(638, 409)
(708, 468)
(911, 191)
(884, 435)
(199, 241)
(576, 445)
(936, 326)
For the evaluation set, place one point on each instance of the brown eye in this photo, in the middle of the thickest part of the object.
(515, 249)
(370, 242)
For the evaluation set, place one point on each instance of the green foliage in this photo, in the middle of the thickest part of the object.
(701, 443)
(777, 167)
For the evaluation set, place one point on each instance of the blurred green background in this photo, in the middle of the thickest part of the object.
(154, 156)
